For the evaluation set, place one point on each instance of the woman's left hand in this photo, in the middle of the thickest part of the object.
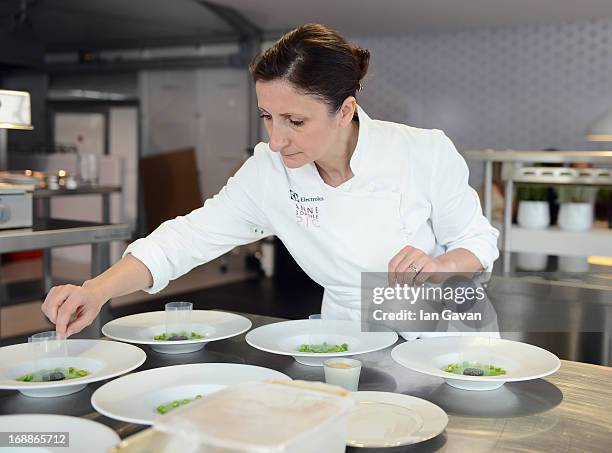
(413, 266)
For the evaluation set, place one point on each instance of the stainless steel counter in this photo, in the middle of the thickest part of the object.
(48, 233)
(568, 411)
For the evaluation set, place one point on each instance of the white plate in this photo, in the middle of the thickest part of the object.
(103, 359)
(133, 398)
(285, 338)
(521, 361)
(142, 327)
(81, 433)
(383, 419)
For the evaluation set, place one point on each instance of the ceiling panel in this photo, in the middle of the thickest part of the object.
(378, 17)
(78, 22)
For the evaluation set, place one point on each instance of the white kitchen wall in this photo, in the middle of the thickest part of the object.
(86, 131)
(523, 87)
(205, 109)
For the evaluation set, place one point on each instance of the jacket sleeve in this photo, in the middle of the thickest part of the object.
(457, 218)
(235, 216)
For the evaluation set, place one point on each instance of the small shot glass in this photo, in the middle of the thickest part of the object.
(342, 372)
(49, 342)
(46, 345)
(178, 320)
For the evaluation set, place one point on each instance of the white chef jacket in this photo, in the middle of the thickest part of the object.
(410, 187)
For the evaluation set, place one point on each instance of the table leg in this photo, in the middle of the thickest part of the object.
(508, 195)
(105, 247)
(94, 330)
(44, 211)
(488, 189)
(46, 264)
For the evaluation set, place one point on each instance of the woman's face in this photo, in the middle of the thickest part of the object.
(300, 126)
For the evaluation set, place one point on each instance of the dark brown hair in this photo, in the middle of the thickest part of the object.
(317, 61)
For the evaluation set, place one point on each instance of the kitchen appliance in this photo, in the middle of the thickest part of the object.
(15, 113)
(15, 206)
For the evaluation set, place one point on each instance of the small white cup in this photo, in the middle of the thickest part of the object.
(342, 372)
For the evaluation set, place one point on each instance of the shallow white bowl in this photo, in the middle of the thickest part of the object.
(142, 327)
(81, 432)
(384, 419)
(285, 338)
(521, 361)
(133, 398)
(103, 359)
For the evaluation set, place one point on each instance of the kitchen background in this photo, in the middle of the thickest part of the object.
(533, 75)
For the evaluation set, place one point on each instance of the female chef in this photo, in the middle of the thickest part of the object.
(345, 193)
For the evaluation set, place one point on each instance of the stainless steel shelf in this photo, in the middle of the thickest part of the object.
(564, 175)
(81, 190)
(491, 155)
(512, 157)
(48, 233)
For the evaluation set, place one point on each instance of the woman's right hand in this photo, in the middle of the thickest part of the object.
(72, 308)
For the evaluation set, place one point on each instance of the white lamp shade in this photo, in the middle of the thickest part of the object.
(601, 129)
(15, 110)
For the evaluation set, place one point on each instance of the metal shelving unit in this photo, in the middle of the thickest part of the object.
(600, 239)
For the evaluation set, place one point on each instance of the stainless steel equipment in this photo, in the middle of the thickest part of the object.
(15, 206)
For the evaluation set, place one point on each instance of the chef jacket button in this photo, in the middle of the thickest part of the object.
(371, 187)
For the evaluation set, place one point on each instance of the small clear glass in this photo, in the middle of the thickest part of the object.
(88, 169)
(45, 348)
(315, 316)
(343, 372)
(178, 321)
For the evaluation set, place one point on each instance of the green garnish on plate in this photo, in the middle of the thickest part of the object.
(165, 408)
(474, 369)
(56, 374)
(178, 336)
(323, 348)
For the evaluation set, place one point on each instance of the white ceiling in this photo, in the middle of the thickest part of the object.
(364, 17)
(81, 21)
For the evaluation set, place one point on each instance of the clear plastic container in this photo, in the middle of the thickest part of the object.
(178, 320)
(268, 417)
(46, 348)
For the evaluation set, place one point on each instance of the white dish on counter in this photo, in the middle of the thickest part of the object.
(521, 361)
(384, 419)
(101, 358)
(81, 433)
(142, 327)
(285, 338)
(135, 397)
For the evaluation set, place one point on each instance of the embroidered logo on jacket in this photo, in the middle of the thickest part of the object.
(295, 197)
(308, 216)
